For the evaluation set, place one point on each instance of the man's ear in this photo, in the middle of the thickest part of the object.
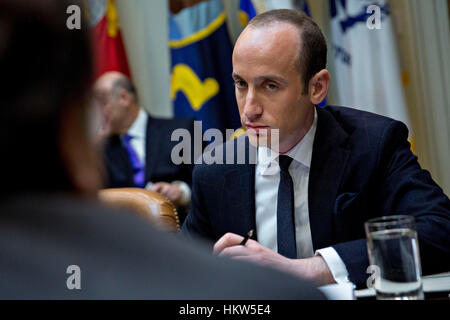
(318, 86)
(78, 154)
(125, 97)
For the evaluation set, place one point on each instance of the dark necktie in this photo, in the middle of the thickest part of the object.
(136, 164)
(285, 211)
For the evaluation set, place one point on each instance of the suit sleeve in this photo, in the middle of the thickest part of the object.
(197, 223)
(188, 167)
(405, 188)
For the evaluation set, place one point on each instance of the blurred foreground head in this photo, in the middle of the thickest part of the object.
(45, 83)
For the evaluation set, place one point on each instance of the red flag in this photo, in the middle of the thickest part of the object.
(109, 50)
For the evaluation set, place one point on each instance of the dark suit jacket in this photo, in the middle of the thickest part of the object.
(361, 168)
(120, 256)
(158, 164)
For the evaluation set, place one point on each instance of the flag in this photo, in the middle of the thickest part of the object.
(201, 83)
(246, 12)
(303, 6)
(109, 50)
(367, 70)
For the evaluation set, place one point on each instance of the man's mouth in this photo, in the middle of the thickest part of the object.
(256, 128)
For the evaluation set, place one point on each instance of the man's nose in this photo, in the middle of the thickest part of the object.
(252, 107)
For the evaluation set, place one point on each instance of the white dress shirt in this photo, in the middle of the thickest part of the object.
(267, 179)
(138, 132)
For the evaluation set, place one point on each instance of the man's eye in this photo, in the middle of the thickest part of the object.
(271, 86)
(240, 84)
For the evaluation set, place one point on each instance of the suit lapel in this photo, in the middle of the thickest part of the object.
(152, 147)
(119, 161)
(239, 191)
(328, 162)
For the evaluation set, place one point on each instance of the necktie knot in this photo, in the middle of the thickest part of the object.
(127, 137)
(284, 162)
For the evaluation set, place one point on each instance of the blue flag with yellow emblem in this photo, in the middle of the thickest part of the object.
(201, 51)
(246, 12)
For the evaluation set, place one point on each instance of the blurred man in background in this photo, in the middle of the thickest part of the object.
(138, 147)
(50, 223)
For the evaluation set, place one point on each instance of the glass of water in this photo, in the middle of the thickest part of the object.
(394, 255)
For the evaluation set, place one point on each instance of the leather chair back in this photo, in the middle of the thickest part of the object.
(148, 204)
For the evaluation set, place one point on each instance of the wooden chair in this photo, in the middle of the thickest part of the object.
(148, 204)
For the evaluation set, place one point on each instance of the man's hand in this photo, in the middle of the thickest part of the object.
(172, 191)
(313, 269)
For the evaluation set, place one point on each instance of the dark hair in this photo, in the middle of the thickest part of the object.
(313, 53)
(46, 68)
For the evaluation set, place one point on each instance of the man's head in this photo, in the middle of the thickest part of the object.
(46, 80)
(117, 99)
(279, 70)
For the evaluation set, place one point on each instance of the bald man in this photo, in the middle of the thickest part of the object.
(137, 147)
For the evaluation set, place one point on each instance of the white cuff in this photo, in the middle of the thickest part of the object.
(186, 197)
(335, 264)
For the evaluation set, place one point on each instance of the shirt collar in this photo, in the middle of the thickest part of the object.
(301, 152)
(138, 128)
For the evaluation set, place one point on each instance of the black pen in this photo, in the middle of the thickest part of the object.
(248, 236)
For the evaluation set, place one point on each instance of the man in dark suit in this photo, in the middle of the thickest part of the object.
(333, 169)
(56, 241)
(137, 146)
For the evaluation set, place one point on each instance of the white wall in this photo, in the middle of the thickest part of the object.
(144, 26)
